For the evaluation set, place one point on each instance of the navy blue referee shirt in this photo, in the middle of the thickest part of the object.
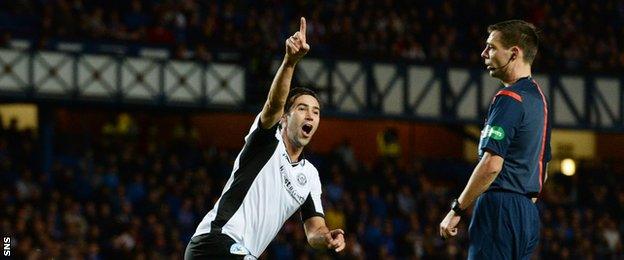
(517, 128)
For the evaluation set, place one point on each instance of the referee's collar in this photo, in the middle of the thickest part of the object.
(521, 79)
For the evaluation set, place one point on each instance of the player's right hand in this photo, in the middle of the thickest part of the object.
(296, 45)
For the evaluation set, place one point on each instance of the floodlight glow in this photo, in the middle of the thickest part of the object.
(568, 167)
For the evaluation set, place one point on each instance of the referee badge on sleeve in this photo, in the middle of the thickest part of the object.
(495, 132)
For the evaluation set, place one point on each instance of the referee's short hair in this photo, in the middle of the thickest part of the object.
(295, 93)
(518, 33)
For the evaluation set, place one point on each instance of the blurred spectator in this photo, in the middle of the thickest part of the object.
(388, 145)
(182, 53)
(202, 54)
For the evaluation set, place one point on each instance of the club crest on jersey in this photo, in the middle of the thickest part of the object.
(301, 179)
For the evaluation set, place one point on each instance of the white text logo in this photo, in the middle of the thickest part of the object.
(6, 246)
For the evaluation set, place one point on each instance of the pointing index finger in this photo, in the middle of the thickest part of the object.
(302, 28)
(337, 231)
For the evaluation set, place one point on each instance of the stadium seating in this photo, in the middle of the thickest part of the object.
(132, 193)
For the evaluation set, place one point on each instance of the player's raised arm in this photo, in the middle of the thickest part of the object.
(296, 48)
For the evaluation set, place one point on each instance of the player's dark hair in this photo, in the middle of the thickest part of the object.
(518, 33)
(295, 93)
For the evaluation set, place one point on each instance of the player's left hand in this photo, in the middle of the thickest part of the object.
(335, 240)
(448, 226)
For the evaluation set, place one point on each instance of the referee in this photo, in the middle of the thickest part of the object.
(514, 149)
(270, 180)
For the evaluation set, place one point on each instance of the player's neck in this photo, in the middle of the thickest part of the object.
(293, 150)
(522, 71)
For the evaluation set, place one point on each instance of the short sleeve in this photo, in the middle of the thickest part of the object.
(502, 124)
(312, 206)
(260, 134)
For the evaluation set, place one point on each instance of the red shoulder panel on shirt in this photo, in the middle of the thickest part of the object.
(510, 93)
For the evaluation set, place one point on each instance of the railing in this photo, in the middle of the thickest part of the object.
(114, 79)
(346, 88)
(446, 94)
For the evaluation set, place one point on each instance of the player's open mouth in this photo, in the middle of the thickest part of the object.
(307, 129)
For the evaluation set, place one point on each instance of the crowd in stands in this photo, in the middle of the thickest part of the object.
(131, 192)
(576, 35)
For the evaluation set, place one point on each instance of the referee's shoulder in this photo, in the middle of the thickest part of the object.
(529, 90)
(514, 92)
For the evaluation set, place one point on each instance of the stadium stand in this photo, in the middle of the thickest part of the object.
(129, 192)
(574, 37)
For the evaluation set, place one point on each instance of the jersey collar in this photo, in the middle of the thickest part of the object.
(521, 79)
(301, 161)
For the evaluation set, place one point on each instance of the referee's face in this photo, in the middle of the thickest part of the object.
(496, 58)
(302, 120)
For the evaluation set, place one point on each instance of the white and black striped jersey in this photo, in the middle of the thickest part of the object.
(263, 191)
